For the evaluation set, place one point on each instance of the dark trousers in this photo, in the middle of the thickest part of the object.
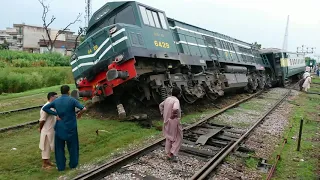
(73, 148)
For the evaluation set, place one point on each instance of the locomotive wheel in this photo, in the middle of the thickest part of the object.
(211, 96)
(190, 99)
(248, 89)
(156, 96)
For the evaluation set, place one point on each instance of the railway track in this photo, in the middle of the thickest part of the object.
(21, 109)
(22, 125)
(216, 142)
(19, 126)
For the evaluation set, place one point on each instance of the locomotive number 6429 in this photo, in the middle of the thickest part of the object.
(161, 44)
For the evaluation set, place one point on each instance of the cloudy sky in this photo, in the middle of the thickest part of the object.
(263, 21)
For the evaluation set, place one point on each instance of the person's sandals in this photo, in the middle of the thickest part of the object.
(51, 164)
(47, 167)
(172, 158)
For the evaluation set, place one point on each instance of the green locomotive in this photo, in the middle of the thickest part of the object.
(134, 49)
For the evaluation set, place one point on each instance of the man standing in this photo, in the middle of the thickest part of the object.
(66, 127)
(306, 74)
(306, 84)
(46, 129)
(172, 129)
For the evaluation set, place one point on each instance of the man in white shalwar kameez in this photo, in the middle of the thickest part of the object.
(47, 123)
(172, 129)
(306, 84)
(306, 74)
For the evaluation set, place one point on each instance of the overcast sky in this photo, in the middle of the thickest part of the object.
(263, 21)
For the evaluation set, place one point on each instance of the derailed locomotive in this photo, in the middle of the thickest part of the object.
(131, 48)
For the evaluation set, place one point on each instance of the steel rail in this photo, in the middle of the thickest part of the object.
(215, 161)
(113, 164)
(21, 109)
(18, 126)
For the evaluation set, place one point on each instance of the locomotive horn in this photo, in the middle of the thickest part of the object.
(113, 74)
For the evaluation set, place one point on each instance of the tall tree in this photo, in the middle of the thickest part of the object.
(50, 43)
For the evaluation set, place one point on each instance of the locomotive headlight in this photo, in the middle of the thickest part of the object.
(112, 30)
(118, 58)
(79, 80)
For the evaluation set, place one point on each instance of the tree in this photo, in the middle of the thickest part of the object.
(257, 45)
(80, 32)
(5, 45)
(307, 59)
(50, 43)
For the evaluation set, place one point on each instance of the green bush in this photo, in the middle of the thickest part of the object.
(13, 80)
(3, 64)
(21, 63)
(28, 59)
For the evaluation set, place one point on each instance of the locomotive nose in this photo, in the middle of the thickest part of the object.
(113, 74)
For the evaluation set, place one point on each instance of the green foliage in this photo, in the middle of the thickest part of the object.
(251, 162)
(307, 59)
(13, 80)
(5, 45)
(25, 59)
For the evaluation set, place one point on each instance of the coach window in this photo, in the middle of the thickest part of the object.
(126, 16)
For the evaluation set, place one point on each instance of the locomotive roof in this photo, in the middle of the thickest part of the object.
(116, 4)
(276, 50)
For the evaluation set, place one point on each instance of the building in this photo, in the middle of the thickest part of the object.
(31, 38)
(12, 38)
(64, 44)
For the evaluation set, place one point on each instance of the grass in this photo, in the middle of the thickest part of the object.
(19, 118)
(251, 162)
(14, 80)
(251, 105)
(25, 162)
(35, 97)
(290, 166)
(26, 59)
(315, 79)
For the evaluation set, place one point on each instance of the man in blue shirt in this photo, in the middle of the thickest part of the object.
(65, 127)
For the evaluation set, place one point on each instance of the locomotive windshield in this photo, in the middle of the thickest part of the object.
(125, 16)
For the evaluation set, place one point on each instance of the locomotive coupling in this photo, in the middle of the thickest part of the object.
(113, 74)
(85, 94)
(76, 94)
